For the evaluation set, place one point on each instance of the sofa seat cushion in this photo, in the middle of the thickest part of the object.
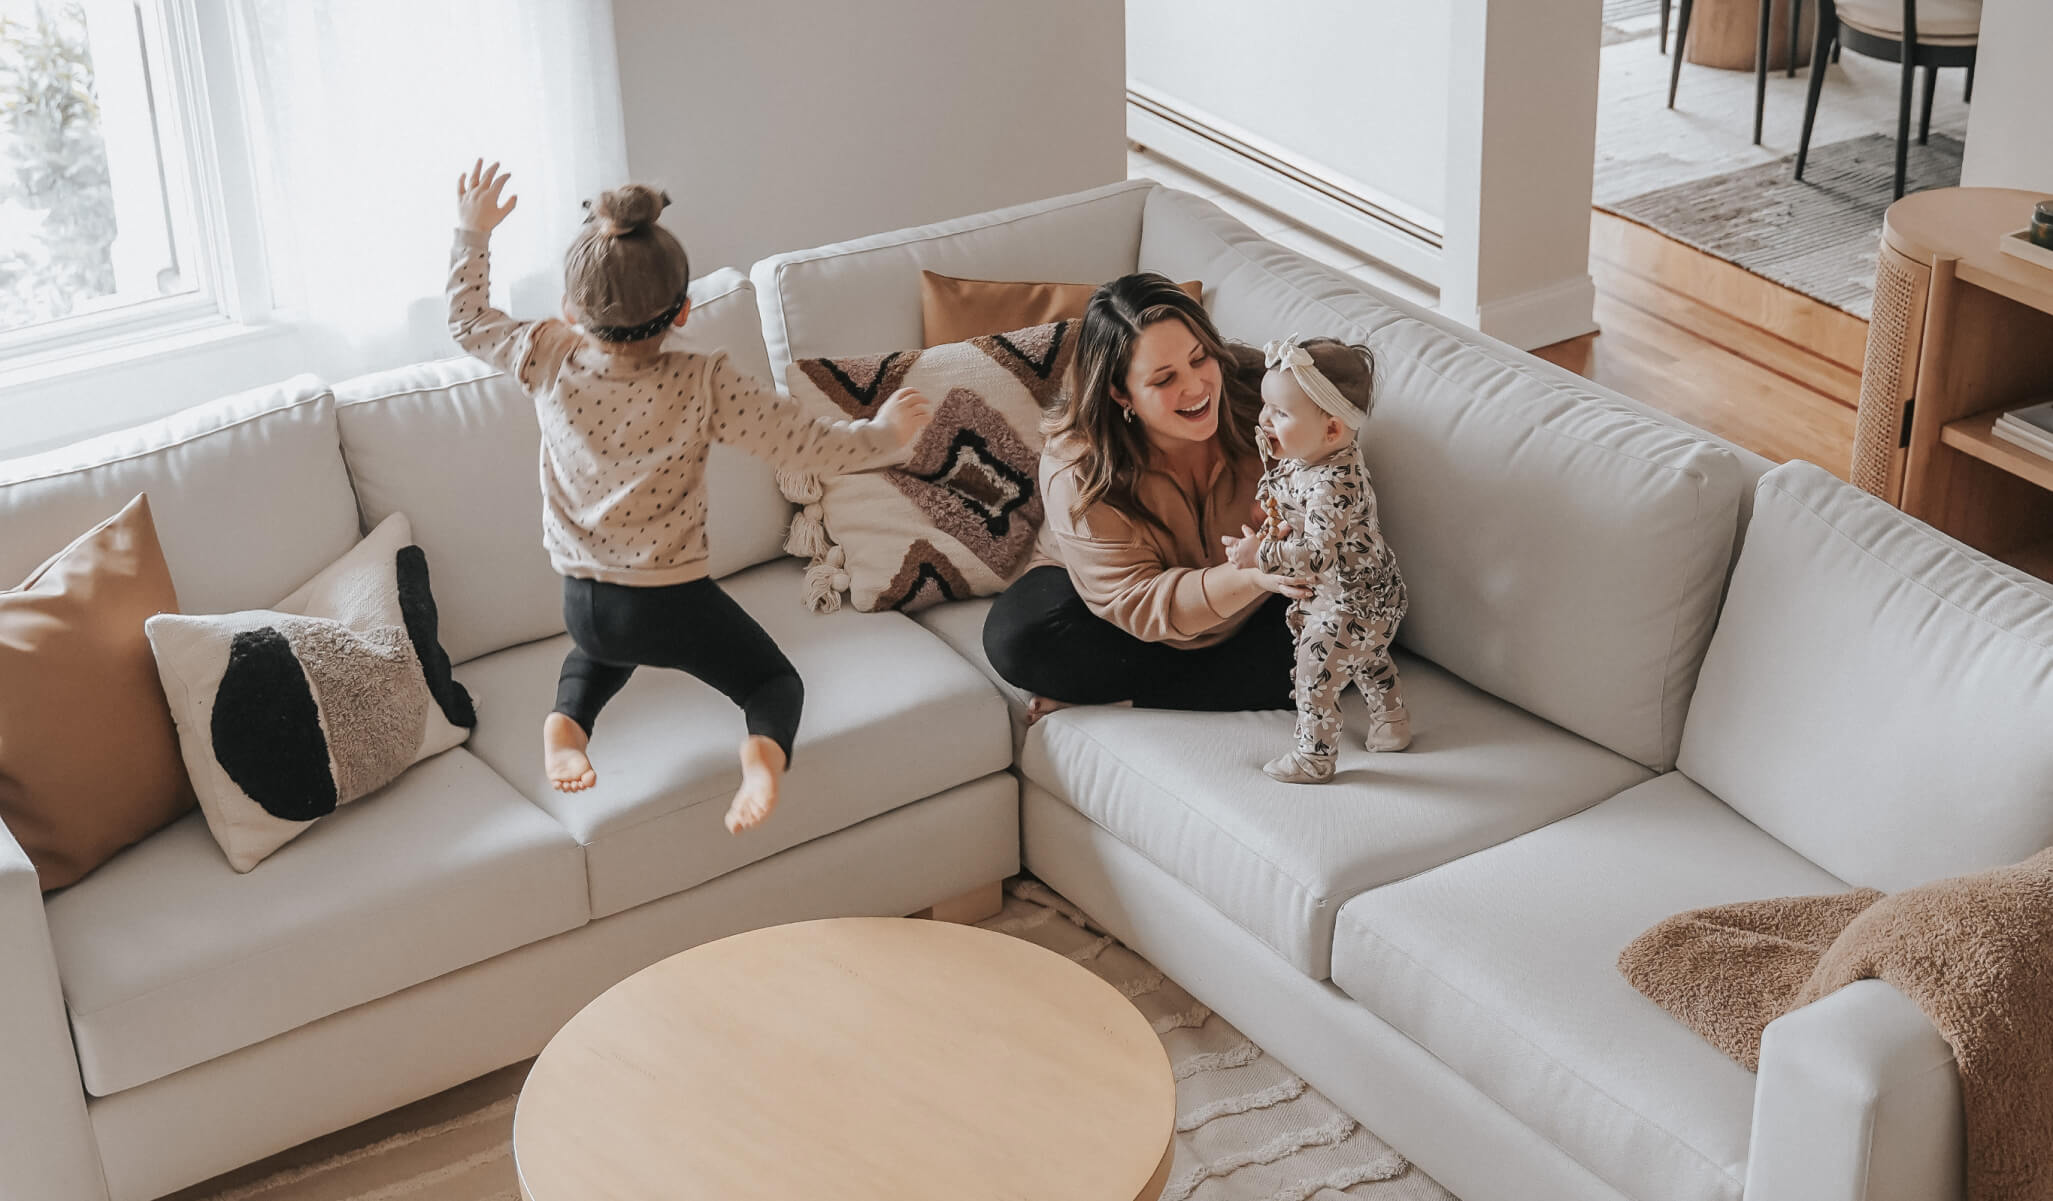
(170, 958)
(891, 716)
(960, 624)
(1503, 965)
(1187, 791)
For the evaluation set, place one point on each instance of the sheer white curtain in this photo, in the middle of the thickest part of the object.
(364, 112)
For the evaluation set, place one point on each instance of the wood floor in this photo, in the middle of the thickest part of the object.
(1723, 349)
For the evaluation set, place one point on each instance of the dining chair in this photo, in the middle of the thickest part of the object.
(1917, 33)
(1760, 51)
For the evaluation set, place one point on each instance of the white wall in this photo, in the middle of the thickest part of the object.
(782, 124)
(1475, 121)
(1356, 86)
(2008, 140)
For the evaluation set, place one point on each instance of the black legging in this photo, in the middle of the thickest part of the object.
(1041, 637)
(694, 627)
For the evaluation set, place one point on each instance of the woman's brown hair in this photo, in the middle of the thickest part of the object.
(624, 271)
(1116, 450)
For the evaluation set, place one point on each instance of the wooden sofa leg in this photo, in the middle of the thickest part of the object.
(983, 901)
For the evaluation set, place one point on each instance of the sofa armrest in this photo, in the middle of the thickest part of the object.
(47, 1149)
(1858, 1100)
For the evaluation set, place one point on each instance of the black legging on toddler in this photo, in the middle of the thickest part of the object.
(694, 627)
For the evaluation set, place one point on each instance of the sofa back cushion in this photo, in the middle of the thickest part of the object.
(1877, 695)
(455, 445)
(1563, 550)
(249, 495)
(863, 297)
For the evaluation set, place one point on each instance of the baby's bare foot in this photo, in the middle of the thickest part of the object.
(1041, 706)
(762, 772)
(563, 754)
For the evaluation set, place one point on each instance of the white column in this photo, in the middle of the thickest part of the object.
(1521, 152)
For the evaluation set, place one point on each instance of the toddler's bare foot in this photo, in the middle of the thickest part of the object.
(563, 754)
(762, 771)
(1040, 707)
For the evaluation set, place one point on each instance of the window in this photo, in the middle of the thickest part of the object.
(111, 193)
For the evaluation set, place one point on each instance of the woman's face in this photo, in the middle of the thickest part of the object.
(1172, 385)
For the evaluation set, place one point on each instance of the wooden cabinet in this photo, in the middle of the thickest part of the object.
(1960, 332)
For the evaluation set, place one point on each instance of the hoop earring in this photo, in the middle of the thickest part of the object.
(1128, 410)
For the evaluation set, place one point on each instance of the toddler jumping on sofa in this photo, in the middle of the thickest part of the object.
(626, 425)
(1322, 524)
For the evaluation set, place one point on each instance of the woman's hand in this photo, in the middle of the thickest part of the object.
(1294, 587)
(477, 197)
(907, 413)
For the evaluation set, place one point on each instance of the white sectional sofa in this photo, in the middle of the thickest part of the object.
(1620, 713)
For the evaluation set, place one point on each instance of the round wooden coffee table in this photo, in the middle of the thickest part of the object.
(886, 1058)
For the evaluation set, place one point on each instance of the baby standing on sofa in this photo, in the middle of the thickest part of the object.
(1322, 525)
(626, 425)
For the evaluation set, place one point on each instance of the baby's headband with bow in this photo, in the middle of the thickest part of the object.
(1284, 354)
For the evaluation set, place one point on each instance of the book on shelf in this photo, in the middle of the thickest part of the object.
(2037, 416)
(2038, 445)
(2029, 427)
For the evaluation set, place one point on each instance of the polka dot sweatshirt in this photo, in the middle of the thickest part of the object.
(624, 440)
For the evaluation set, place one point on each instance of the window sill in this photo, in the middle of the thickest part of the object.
(208, 334)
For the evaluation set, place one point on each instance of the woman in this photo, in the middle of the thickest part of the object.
(1148, 470)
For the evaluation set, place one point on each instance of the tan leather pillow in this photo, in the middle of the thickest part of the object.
(956, 310)
(88, 757)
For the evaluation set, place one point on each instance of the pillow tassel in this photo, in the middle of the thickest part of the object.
(825, 581)
(808, 539)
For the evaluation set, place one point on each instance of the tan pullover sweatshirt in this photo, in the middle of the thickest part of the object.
(1168, 584)
(624, 438)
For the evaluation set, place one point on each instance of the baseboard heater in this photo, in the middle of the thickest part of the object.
(1293, 188)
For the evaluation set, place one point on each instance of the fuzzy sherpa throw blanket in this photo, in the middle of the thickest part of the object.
(1974, 952)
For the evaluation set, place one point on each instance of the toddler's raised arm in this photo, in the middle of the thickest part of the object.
(750, 415)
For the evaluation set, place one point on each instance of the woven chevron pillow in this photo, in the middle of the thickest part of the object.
(958, 518)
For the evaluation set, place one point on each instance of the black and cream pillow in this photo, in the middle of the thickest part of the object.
(285, 713)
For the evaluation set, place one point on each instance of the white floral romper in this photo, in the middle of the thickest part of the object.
(1344, 630)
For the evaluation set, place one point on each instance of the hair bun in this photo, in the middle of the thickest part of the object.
(630, 209)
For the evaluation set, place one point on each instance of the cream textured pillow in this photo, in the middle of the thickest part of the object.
(285, 713)
(958, 517)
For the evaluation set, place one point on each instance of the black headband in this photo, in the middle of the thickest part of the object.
(647, 329)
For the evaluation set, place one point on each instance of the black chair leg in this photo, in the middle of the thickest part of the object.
(1665, 6)
(1761, 66)
(1681, 39)
(1828, 29)
(1925, 117)
(1967, 94)
(1796, 21)
(1910, 76)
